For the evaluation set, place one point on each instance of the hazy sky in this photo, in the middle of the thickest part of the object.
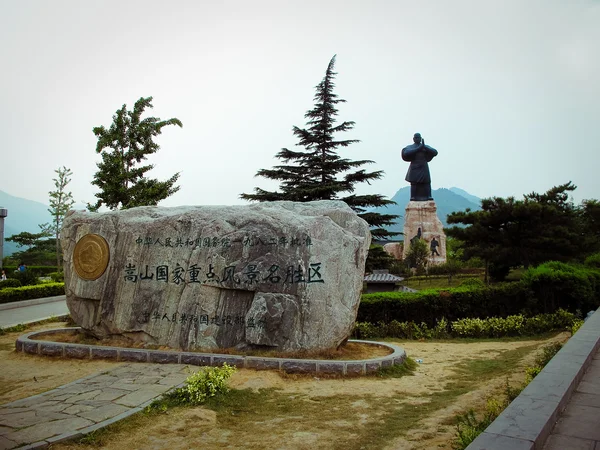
(507, 91)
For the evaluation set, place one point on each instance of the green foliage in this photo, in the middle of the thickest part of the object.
(27, 278)
(491, 327)
(468, 426)
(593, 261)
(128, 142)
(202, 385)
(41, 271)
(10, 282)
(317, 172)
(57, 277)
(576, 326)
(60, 204)
(517, 325)
(417, 255)
(16, 294)
(378, 259)
(509, 233)
(427, 306)
(407, 367)
(472, 282)
(568, 286)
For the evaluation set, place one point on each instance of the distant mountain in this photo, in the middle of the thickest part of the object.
(23, 215)
(447, 201)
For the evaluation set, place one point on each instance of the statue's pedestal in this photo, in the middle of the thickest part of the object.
(423, 215)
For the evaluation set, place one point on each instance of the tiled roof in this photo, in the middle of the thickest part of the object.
(382, 278)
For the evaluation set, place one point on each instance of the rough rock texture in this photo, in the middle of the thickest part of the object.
(394, 249)
(423, 215)
(284, 275)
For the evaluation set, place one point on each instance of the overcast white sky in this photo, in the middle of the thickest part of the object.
(507, 91)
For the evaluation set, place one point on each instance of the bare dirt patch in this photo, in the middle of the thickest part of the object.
(23, 375)
(268, 410)
(348, 351)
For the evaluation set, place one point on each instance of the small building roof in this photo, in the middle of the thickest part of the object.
(382, 278)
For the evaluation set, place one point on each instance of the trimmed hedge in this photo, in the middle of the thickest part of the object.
(40, 271)
(430, 305)
(543, 289)
(16, 294)
(568, 286)
(10, 282)
(492, 327)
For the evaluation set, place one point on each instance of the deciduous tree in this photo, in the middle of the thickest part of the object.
(60, 203)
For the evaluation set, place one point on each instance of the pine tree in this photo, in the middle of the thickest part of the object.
(318, 172)
(60, 203)
(130, 139)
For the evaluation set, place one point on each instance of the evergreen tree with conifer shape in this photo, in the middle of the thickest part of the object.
(120, 177)
(317, 172)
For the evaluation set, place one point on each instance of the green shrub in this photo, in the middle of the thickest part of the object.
(27, 278)
(492, 327)
(576, 326)
(472, 282)
(468, 426)
(16, 294)
(593, 261)
(202, 385)
(57, 277)
(429, 305)
(560, 285)
(10, 282)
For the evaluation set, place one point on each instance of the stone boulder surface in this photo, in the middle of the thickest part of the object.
(281, 275)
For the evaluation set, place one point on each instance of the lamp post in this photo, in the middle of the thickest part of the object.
(3, 214)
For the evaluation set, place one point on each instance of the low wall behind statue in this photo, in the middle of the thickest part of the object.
(283, 275)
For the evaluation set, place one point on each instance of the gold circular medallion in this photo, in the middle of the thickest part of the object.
(91, 256)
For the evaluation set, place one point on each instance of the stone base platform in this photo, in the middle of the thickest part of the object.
(423, 216)
(27, 344)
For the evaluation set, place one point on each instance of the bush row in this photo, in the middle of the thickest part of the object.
(15, 294)
(10, 282)
(492, 327)
(544, 289)
(40, 271)
(457, 303)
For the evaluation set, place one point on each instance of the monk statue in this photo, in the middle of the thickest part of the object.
(419, 154)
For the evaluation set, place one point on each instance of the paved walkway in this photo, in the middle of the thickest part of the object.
(85, 405)
(578, 426)
(28, 311)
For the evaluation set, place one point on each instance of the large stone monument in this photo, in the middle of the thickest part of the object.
(420, 219)
(281, 275)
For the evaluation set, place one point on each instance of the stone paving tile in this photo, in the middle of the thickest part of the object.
(84, 396)
(125, 386)
(580, 421)
(104, 412)
(93, 401)
(558, 442)
(585, 399)
(109, 394)
(76, 409)
(4, 411)
(45, 430)
(19, 420)
(6, 443)
(142, 395)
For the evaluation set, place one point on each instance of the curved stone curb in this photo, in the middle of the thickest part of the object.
(315, 366)
(527, 422)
